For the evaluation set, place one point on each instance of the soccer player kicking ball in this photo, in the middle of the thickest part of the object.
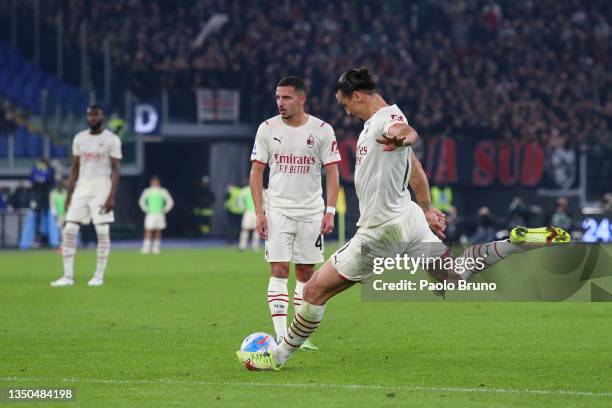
(385, 166)
(155, 201)
(92, 186)
(296, 146)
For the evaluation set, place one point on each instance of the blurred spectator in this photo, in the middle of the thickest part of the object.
(518, 213)
(249, 221)
(235, 208)
(504, 68)
(485, 227)
(117, 125)
(42, 181)
(562, 216)
(4, 198)
(57, 200)
(442, 197)
(203, 211)
(606, 201)
(21, 198)
(454, 226)
(7, 119)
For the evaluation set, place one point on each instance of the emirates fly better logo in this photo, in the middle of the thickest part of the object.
(290, 163)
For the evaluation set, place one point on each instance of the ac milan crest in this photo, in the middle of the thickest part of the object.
(310, 141)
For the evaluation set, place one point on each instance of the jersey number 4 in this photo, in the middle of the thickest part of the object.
(319, 243)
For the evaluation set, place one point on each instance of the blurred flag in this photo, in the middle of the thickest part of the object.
(213, 25)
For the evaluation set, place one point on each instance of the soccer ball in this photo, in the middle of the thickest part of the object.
(259, 343)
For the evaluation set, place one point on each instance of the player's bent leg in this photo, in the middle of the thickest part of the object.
(69, 247)
(324, 284)
(103, 250)
(483, 256)
(521, 240)
(303, 273)
(278, 297)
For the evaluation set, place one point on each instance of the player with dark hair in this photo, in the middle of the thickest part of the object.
(294, 219)
(385, 166)
(92, 187)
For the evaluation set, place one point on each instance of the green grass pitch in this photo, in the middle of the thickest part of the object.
(163, 330)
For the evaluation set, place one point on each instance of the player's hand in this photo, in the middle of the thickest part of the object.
(108, 205)
(327, 224)
(262, 226)
(394, 139)
(436, 220)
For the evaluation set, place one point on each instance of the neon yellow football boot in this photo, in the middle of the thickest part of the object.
(257, 361)
(538, 237)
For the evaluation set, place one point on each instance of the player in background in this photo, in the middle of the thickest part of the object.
(155, 201)
(92, 188)
(249, 221)
(384, 167)
(294, 219)
(57, 200)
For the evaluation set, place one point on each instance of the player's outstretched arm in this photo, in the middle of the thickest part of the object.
(72, 179)
(399, 135)
(256, 184)
(418, 181)
(332, 182)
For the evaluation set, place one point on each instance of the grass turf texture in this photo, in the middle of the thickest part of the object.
(163, 332)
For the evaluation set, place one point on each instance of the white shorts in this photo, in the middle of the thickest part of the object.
(155, 221)
(249, 220)
(293, 241)
(411, 236)
(88, 199)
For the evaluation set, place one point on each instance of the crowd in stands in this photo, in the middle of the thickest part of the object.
(517, 70)
(510, 70)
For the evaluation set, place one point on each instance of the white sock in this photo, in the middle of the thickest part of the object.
(304, 324)
(146, 245)
(156, 245)
(243, 240)
(278, 301)
(69, 247)
(103, 249)
(297, 295)
(490, 252)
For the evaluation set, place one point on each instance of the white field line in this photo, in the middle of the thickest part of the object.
(604, 394)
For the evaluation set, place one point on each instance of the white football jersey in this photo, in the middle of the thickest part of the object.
(295, 156)
(381, 177)
(95, 152)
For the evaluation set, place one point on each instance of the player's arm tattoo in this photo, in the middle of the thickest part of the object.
(420, 185)
(405, 133)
